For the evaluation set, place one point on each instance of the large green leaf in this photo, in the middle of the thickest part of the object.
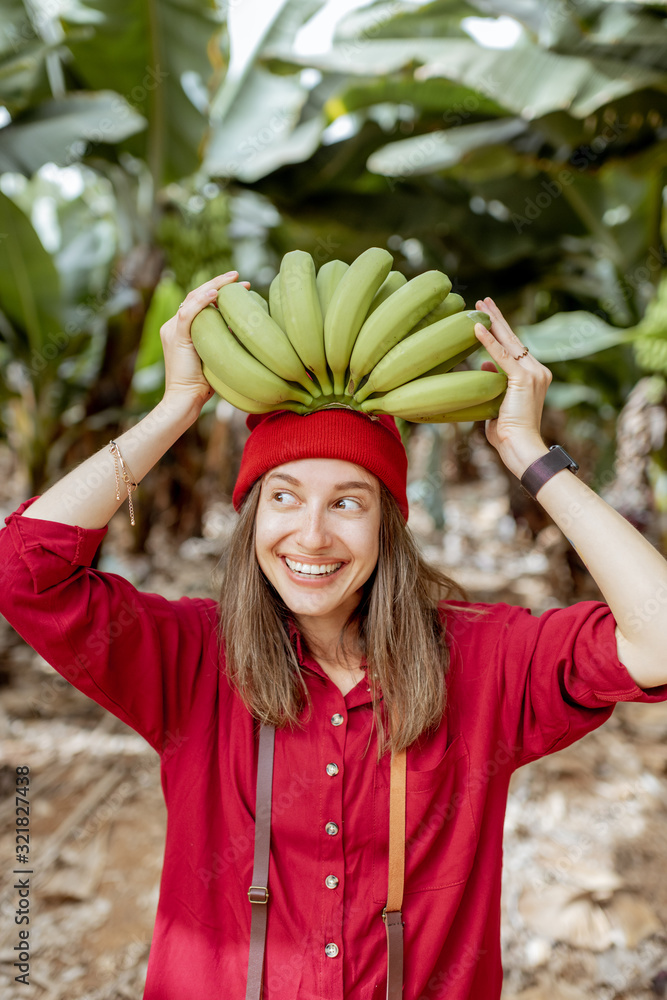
(619, 29)
(367, 57)
(455, 103)
(50, 131)
(85, 256)
(255, 115)
(570, 335)
(388, 19)
(29, 286)
(23, 55)
(532, 82)
(150, 53)
(651, 332)
(544, 16)
(563, 395)
(249, 25)
(261, 133)
(423, 154)
(527, 80)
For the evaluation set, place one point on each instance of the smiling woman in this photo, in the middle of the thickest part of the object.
(318, 546)
(322, 545)
(332, 637)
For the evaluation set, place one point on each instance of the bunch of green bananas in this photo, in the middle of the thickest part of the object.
(357, 335)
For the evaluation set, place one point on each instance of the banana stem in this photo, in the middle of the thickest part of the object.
(337, 401)
(339, 385)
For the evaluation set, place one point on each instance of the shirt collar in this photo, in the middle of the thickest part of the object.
(358, 694)
(303, 656)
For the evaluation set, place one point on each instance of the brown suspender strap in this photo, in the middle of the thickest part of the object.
(392, 916)
(258, 893)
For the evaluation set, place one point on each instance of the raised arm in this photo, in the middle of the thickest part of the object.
(87, 495)
(630, 572)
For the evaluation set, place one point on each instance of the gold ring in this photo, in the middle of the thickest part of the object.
(525, 352)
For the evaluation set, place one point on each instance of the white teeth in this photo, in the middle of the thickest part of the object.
(310, 569)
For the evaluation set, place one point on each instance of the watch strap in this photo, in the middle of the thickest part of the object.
(541, 471)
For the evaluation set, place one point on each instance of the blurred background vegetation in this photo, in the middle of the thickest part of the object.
(520, 146)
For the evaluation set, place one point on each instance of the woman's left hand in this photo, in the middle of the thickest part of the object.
(515, 432)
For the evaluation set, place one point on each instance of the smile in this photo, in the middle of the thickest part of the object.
(311, 569)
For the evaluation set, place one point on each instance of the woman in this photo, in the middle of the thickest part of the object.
(332, 635)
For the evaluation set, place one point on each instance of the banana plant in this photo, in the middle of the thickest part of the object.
(36, 342)
(130, 74)
(103, 85)
(541, 188)
(545, 184)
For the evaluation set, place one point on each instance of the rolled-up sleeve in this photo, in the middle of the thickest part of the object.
(542, 682)
(136, 654)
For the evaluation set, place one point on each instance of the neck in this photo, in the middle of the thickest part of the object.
(322, 637)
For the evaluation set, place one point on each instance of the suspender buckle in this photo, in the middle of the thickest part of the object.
(393, 916)
(258, 894)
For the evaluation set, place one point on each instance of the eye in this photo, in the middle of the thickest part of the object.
(283, 497)
(348, 503)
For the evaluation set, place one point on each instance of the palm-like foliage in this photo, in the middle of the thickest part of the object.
(117, 86)
(532, 172)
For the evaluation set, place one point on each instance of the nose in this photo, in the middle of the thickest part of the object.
(313, 534)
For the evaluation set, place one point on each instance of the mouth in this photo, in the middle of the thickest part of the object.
(312, 571)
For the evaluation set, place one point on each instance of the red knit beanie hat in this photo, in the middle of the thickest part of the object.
(374, 444)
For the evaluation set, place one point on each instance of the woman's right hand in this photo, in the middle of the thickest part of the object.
(183, 373)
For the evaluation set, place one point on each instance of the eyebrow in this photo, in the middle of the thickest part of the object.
(352, 484)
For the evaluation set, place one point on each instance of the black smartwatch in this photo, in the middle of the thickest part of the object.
(537, 474)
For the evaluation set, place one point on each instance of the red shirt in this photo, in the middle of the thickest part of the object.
(519, 687)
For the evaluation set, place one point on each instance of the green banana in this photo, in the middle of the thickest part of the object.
(421, 351)
(259, 299)
(244, 402)
(275, 302)
(222, 353)
(357, 335)
(328, 277)
(478, 411)
(260, 334)
(452, 362)
(302, 313)
(436, 395)
(393, 320)
(451, 304)
(348, 308)
(393, 281)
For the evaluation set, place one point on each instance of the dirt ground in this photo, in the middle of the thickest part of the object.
(585, 897)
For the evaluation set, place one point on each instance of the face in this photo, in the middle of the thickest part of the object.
(317, 535)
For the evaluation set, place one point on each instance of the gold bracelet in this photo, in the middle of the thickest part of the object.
(124, 474)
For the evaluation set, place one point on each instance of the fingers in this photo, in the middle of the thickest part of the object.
(509, 354)
(204, 295)
(501, 356)
(500, 341)
(194, 302)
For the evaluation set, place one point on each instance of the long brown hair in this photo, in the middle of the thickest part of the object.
(397, 621)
